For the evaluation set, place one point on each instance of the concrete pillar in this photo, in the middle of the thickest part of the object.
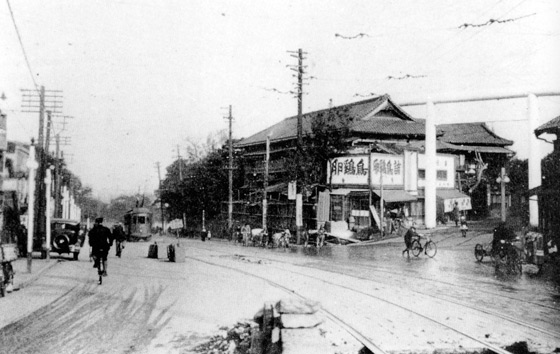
(430, 189)
(534, 157)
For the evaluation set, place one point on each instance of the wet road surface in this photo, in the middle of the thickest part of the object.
(154, 306)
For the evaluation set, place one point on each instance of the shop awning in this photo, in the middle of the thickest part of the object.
(346, 191)
(450, 196)
(395, 195)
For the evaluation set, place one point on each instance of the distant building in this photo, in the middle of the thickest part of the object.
(14, 188)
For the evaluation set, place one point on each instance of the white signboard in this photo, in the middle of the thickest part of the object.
(445, 171)
(463, 203)
(175, 224)
(299, 210)
(385, 168)
(292, 190)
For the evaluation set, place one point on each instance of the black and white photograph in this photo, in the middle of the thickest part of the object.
(280, 177)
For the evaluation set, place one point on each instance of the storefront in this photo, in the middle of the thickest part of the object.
(350, 207)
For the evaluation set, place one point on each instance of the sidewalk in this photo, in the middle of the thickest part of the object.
(448, 236)
(20, 302)
(22, 277)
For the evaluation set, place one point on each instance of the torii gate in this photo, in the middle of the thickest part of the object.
(534, 153)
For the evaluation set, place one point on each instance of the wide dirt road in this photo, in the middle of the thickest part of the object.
(144, 306)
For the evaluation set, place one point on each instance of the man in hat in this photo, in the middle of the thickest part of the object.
(100, 240)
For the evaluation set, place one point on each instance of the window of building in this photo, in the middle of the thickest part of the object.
(441, 175)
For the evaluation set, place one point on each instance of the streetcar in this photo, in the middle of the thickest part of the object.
(138, 224)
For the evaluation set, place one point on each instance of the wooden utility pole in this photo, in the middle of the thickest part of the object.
(369, 183)
(230, 173)
(299, 144)
(265, 185)
(180, 162)
(58, 179)
(160, 198)
(37, 101)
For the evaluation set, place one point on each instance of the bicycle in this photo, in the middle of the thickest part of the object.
(429, 248)
(97, 264)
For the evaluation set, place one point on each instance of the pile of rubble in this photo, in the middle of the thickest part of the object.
(234, 340)
(288, 326)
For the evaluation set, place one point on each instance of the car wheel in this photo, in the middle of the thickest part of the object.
(61, 242)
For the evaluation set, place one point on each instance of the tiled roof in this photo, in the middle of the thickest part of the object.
(389, 126)
(371, 117)
(552, 126)
(287, 128)
(470, 133)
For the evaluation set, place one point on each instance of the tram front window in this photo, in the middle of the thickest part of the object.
(141, 219)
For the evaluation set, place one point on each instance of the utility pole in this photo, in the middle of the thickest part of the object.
(265, 186)
(160, 198)
(180, 162)
(37, 101)
(58, 178)
(59, 141)
(299, 143)
(230, 173)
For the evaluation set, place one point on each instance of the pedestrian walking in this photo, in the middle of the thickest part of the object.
(456, 214)
(464, 226)
(246, 232)
(321, 236)
(100, 239)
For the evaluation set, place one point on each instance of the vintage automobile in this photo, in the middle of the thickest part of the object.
(66, 237)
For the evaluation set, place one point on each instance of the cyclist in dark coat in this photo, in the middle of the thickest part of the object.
(100, 240)
(119, 237)
(408, 240)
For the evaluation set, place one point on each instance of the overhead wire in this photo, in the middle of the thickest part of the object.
(22, 46)
(482, 29)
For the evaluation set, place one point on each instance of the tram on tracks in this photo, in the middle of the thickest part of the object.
(138, 224)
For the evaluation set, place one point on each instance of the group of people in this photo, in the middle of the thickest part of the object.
(101, 239)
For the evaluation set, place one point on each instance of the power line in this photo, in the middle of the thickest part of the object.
(474, 35)
(22, 47)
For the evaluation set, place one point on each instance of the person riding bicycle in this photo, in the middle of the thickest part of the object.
(119, 236)
(100, 240)
(408, 237)
(408, 240)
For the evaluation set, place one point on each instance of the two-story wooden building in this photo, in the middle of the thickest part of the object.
(381, 137)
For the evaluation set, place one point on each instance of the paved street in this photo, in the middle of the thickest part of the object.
(155, 306)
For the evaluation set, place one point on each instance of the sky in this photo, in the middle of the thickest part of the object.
(141, 77)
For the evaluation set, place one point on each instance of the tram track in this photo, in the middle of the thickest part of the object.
(483, 343)
(417, 276)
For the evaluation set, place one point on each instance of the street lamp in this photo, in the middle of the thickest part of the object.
(502, 180)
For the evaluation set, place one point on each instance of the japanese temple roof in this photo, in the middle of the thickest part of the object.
(380, 116)
(470, 133)
(389, 126)
(551, 127)
(442, 146)
(363, 115)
